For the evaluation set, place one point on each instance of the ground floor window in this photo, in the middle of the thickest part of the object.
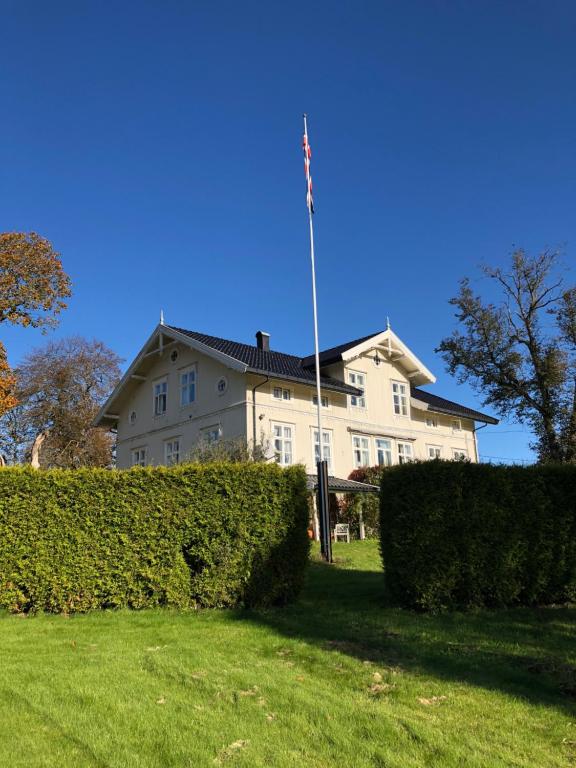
(361, 451)
(434, 451)
(283, 435)
(172, 451)
(326, 447)
(139, 457)
(459, 455)
(383, 452)
(404, 453)
(211, 434)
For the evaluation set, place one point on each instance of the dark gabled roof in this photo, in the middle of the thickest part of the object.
(338, 485)
(441, 405)
(334, 354)
(273, 364)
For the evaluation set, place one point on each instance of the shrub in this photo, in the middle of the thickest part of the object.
(366, 503)
(461, 535)
(188, 536)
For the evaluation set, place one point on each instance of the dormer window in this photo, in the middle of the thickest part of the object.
(358, 380)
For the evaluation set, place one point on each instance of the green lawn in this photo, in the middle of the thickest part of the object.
(337, 679)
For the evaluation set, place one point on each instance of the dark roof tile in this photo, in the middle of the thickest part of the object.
(441, 405)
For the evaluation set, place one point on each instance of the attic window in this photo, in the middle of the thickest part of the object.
(174, 355)
(132, 417)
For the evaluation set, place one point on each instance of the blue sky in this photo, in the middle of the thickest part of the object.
(157, 145)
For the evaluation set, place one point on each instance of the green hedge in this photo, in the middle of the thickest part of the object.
(460, 535)
(189, 536)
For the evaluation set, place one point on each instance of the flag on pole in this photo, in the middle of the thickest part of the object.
(307, 157)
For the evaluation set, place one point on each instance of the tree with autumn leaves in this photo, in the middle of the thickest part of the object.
(33, 289)
(51, 400)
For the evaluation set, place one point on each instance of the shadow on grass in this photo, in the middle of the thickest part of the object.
(523, 652)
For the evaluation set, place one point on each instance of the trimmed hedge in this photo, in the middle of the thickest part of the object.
(188, 536)
(456, 535)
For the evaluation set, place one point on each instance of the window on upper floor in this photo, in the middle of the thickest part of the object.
(361, 451)
(383, 451)
(326, 447)
(358, 380)
(172, 451)
(139, 457)
(434, 451)
(323, 400)
(279, 393)
(456, 425)
(405, 453)
(188, 386)
(283, 436)
(400, 398)
(160, 397)
(431, 421)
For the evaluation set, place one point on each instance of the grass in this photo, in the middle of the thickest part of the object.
(337, 679)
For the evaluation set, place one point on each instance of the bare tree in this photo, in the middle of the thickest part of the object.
(61, 387)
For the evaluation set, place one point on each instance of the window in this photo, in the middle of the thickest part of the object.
(132, 417)
(211, 434)
(404, 453)
(139, 457)
(278, 393)
(283, 443)
(383, 452)
(456, 425)
(459, 455)
(326, 447)
(323, 400)
(172, 451)
(431, 421)
(358, 380)
(160, 396)
(222, 385)
(400, 398)
(187, 386)
(434, 452)
(361, 450)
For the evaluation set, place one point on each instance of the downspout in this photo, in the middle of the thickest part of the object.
(254, 388)
(474, 430)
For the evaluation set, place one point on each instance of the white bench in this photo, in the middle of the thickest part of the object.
(342, 529)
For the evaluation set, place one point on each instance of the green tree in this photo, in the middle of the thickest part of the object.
(519, 352)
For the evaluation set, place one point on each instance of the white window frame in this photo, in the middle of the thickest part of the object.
(434, 451)
(139, 456)
(326, 447)
(283, 443)
(211, 434)
(456, 425)
(187, 389)
(172, 451)
(160, 396)
(400, 404)
(404, 456)
(323, 399)
(360, 450)
(282, 393)
(459, 454)
(357, 401)
(386, 451)
(433, 422)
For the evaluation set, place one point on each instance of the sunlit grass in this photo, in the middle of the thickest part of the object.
(337, 679)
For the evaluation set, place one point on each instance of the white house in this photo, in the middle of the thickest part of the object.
(185, 386)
